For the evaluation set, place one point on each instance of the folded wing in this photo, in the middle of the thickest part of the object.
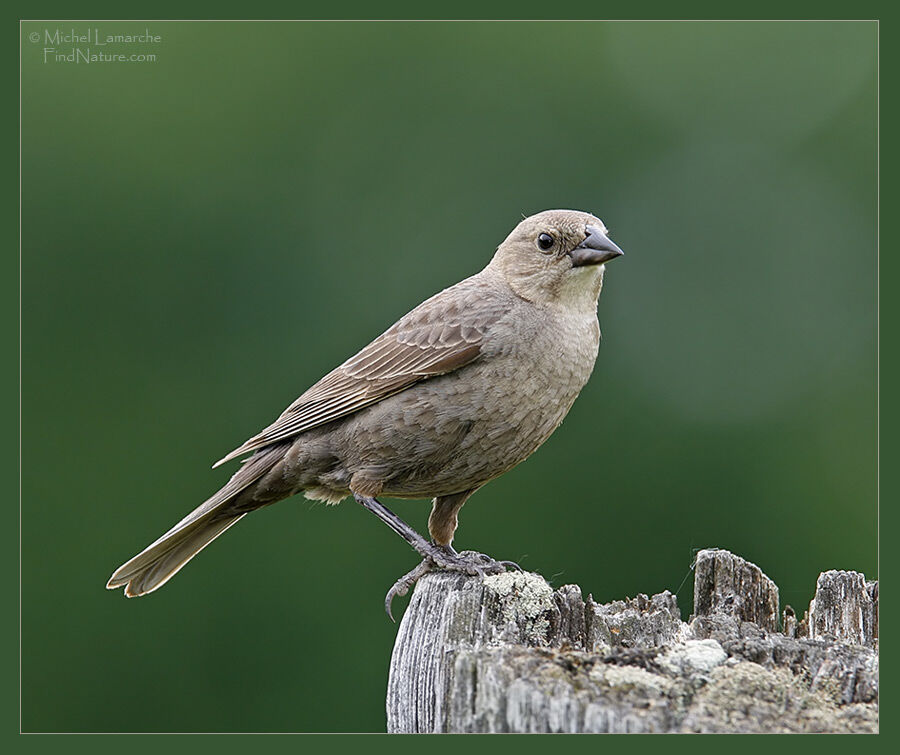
(442, 334)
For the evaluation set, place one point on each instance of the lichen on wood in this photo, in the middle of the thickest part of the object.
(508, 653)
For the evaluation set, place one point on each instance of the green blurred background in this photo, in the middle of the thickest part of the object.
(206, 235)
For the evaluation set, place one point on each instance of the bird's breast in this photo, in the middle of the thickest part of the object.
(459, 430)
(512, 400)
(537, 383)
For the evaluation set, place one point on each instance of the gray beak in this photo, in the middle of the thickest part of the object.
(595, 249)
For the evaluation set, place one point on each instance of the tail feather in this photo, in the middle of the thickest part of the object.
(161, 560)
(156, 565)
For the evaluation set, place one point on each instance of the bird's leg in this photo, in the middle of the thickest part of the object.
(433, 554)
(442, 555)
(439, 555)
(442, 526)
(419, 543)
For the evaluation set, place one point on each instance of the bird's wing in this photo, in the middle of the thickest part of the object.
(442, 334)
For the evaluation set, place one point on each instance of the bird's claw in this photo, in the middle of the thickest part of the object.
(470, 563)
(402, 585)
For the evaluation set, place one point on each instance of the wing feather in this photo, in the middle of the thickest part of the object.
(441, 335)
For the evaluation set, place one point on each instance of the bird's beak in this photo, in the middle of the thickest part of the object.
(595, 249)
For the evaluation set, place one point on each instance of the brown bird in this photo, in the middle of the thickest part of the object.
(460, 390)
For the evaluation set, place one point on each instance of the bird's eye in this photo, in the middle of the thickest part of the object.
(545, 241)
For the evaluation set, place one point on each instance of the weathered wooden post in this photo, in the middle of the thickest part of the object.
(510, 654)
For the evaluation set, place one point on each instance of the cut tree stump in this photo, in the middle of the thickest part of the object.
(508, 653)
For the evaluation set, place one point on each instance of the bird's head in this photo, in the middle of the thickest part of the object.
(556, 256)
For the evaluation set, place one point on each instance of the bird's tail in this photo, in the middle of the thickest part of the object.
(161, 560)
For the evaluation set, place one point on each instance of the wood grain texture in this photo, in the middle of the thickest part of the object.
(845, 608)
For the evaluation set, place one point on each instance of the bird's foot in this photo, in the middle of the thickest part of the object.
(470, 562)
(444, 557)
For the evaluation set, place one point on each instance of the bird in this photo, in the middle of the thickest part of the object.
(457, 392)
